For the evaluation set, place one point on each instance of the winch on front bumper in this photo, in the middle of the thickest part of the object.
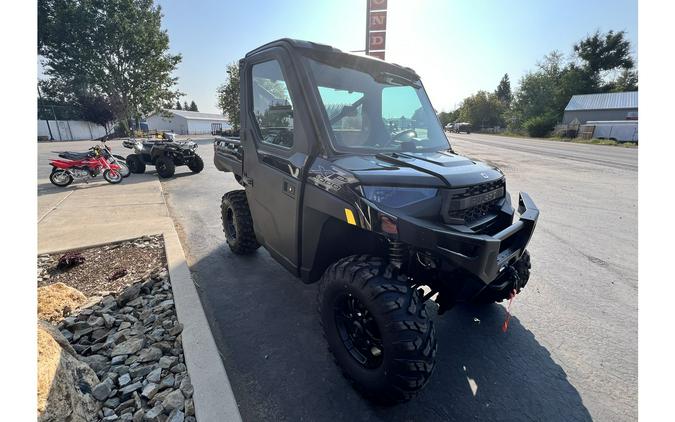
(484, 256)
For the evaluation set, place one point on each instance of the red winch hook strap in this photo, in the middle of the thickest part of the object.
(512, 296)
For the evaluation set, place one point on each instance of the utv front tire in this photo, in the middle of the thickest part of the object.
(385, 342)
(135, 163)
(237, 223)
(196, 164)
(165, 167)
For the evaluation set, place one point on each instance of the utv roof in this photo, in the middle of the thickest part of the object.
(309, 47)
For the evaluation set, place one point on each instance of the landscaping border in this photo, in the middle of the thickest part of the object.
(213, 396)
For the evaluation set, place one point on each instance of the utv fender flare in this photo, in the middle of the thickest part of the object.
(327, 236)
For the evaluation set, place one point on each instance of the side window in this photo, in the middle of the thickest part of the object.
(272, 105)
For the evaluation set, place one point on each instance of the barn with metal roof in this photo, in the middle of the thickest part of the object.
(608, 106)
(185, 122)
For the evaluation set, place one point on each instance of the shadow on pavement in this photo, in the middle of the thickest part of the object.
(266, 327)
(46, 188)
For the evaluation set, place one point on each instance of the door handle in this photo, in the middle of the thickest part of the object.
(288, 188)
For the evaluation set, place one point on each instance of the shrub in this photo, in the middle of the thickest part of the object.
(540, 126)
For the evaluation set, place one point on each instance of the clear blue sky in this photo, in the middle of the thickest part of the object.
(457, 46)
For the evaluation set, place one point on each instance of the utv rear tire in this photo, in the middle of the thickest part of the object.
(520, 271)
(406, 360)
(165, 167)
(196, 164)
(237, 223)
(135, 164)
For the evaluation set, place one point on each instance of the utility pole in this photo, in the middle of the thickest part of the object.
(51, 137)
(367, 26)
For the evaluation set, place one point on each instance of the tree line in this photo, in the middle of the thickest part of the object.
(599, 63)
(188, 107)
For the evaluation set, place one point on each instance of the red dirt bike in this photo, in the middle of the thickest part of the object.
(64, 172)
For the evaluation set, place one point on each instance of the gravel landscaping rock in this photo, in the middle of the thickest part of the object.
(155, 375)
(130, 337)
(128, 347)
(101, 391)
(174, 400)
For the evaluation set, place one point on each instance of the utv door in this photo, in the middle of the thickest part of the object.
(275, 152)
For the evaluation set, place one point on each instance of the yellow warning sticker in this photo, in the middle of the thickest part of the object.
(350, 216)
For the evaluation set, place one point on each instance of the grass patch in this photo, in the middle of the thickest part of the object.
(593, 141)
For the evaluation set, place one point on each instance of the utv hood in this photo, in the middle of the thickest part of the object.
(437, 169)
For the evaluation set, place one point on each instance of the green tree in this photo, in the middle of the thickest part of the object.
(601, 52)
(546, 91)
(186, 106)
(97, 109)
(448, 117)
(178, 106)
(115, 49)
(626, 81)
(193, 106)
(482, 110)
(503, 91)
(228, 95)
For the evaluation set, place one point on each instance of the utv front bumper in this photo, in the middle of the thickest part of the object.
(481, 255)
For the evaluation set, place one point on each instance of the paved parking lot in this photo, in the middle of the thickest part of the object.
(571, 349)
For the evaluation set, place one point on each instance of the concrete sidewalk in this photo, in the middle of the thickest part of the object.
(83, 215)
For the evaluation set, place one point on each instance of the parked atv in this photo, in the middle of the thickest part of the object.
(164, 154)
(349, 180)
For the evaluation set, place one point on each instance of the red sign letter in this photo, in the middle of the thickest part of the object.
(378, 21)
(376, 41)
(378, 4)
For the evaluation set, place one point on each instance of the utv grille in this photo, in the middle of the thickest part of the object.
(473, 214)
(470, 204)
(477, 189)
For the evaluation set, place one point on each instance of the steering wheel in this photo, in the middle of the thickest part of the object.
(404, 135)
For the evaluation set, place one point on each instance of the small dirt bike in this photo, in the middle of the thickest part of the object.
(64, 172)
(105, 151)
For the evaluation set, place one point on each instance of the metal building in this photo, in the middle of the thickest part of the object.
(184, 122)
(609, 106)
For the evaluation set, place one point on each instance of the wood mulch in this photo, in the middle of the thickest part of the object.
(108, 268)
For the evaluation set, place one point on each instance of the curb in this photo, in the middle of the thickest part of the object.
(213, 396)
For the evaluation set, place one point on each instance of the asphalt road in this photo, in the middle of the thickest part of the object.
(570, 353)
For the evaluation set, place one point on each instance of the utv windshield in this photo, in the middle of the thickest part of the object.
(376, 111)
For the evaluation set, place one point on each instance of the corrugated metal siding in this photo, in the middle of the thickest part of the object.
(585, 115)
(175, 124)
(70, 130)
(608, 101)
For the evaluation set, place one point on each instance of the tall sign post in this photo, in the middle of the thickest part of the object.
(376, 27)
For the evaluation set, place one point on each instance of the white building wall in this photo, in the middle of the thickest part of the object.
(175, 124)
(204, 127)
(71, 130)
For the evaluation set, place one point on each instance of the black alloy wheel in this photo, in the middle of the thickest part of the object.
(358, 331)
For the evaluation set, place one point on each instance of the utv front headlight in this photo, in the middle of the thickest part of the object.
(395, 197)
